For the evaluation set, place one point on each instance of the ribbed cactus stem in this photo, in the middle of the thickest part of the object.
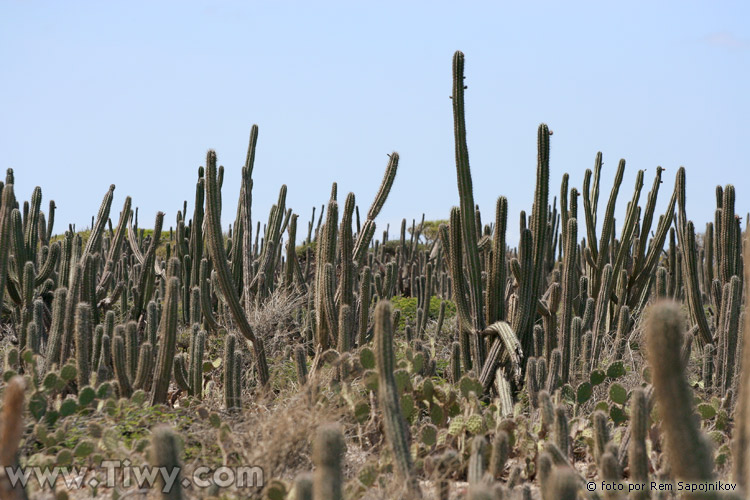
(532, 385)
(609, 470)
(167, 343)
(637, 452)
(303, 487)
(477, 460)
(6, 208)
(328, 453)
(56, 328)
(396, 430)
(237, 378)
(499, 454)
(144, 371)
(560, 430)
(466, 196)
(230, 345)
(569, 288)
(563, 484)
(455, 362)
(690, 454)
(11, 432)
(165, 453)
(104, 365)
(131, 348)
(300, 362)
(120, 364)
(601, 434)
(196, 365)
(546, 409)
(553, 378)
(741, 433)
(364, 303)
(219, 259)
(544, 467)
(83, 337)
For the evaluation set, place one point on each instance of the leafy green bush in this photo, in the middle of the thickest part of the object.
(408, 307)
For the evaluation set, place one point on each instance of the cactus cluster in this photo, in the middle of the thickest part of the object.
(612, 352)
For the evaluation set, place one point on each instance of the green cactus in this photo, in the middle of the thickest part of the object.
(165, 452)
(562, 484)
(396, 431)
(690, 454)
(499, 454)
(167, 341)
(300, 362)
(231, 400)
(477, 460)
(364, 304)
(637, 452)
(121, 366)
(144, 372)
(466, 195)
(83, 335)
(219, 259)
(364, 236)
(560, 432)
(569, 288)
(741, 433)
(11, 432)
(328, 453)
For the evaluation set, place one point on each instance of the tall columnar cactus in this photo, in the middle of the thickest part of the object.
(364, 304)
(219, 259)
(345, 292)
(741, 435)
(11, 432)
(569, 287)
(330, 311)
(56, 329)
(689, 451)
(686, 235)
(196, 364)
(601, 254)
(477, 460)
(145, 286)
(144, 372)
(601, 313)
(563, 484)
(560, 430)
(365, 235)
(165, 453)
(167, 343)
(231, 400)
(730, 333)
(396, 430)
(83, 337)
(120, 365)
(637, 453)
(499, 454)
(328, 453)
(466, 196)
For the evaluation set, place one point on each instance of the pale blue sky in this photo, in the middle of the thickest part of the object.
(134, 93)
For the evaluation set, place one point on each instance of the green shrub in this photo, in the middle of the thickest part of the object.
(408, 307)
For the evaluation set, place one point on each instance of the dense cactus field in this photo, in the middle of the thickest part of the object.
(594, 360)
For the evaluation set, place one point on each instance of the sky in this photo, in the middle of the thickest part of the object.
(134, 94)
